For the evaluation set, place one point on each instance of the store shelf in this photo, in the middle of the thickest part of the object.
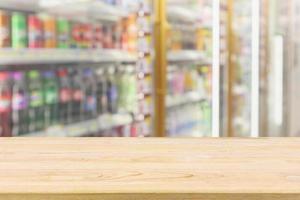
(178, 100)
(52, 56)
(188, 56)
(104, 122)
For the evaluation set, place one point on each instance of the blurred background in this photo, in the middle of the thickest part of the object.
(147, 68)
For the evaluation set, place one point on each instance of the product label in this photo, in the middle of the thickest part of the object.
(5, 103)
(36, 98)
(90, 104)
(4, 33)
(65, 95)
(19, 101)
(51, 96)
(77, 95)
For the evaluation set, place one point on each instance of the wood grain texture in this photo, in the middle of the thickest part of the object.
(144, 169)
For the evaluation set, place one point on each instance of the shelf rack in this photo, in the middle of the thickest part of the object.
(52, 56)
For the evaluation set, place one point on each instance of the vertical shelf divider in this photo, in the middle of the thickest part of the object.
(160, 67)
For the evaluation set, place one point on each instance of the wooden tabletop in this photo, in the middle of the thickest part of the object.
(149, 169)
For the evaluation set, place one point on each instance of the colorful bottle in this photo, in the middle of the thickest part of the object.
(51, 98)
(65, 96)
(90, 94)
(49, 32)
(20, 105)
(18, 30)
(36, 105)
(63, 33)
(35, 32)
(5, 105)
(4, 29)
(101, 92)
(77, 96)
(112, 92)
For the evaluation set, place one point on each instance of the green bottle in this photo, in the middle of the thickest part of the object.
(36, 105)
(63, 33)
(51, 98)
(18, 30)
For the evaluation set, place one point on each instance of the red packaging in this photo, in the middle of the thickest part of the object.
(87, 33)
(5, 104)
(97, 37)
(35, 32)
(4, 29)
(108, 37)
(77, 35)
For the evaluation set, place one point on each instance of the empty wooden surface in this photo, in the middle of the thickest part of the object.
(144, 169)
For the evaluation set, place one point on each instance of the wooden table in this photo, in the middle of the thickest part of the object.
(149, 169)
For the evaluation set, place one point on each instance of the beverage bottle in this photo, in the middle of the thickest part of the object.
(90, 96)
(97, 40)
(63, 33)
(36, 105)
(76, 35)
(87, 35)
(101, 92)
(49, 32)
(77, 96)
(51, 98)
(5, 104)
(18, 30)
(4, 29)
(35, 32)
(20, 104)
(112, 92)
(65, 96)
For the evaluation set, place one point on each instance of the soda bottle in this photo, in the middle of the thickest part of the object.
(35, 32)
(63, 33)
(5, 104)
(97, 37)
(90, 96)
(101, 92)
(65, 96)
(112, 92)
(49, 32)
(87, 35)
(76, 35)
(77, 96)
(18, 30)
(4, 29)
(50, 98)
(36, 105)
(20, 105)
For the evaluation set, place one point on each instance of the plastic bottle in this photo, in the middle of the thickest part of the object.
(77, 96)
(65, 96)
(5, 105)
(51, 98)
(101, 92)
(63, 33)
(112, 92)
(4, 29)
(35, 32)
(18, 30)
(36, 106)
(90, 94)
(20, 104)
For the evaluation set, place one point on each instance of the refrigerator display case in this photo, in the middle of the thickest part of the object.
(76, 68)
(189, 47)
(242, 74)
